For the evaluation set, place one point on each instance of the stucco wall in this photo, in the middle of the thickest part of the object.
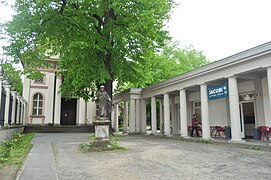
(47, 90)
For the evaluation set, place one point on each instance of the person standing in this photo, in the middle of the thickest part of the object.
(195, 123)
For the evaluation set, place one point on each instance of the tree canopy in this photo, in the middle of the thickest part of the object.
(12, 74)
(170, 61)
(98, 41)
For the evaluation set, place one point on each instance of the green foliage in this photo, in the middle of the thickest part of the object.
(98, 41)
(12, 151)
(170, 61)
(13, 75)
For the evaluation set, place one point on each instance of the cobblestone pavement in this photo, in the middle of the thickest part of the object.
(153, 157)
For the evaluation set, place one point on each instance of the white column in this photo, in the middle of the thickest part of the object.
(7, 88)
(204, 111)
(125, 116)
(183, 113)
(234, 109)
(161, 113)
(153, 116)
(18, 110)
(138, 116)
(1, 78)
(57, 101)
(166, 115)
(269, 90)
(175, 125)
(132, 116)
(82, 112)
(143, 113)
(13, 115)
(22, 111)
(116, 119)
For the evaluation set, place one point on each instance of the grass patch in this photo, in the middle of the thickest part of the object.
(196, 140)
(113, 146)
(13, 151)
(254, 148)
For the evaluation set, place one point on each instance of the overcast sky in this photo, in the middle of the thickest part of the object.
(219, 28)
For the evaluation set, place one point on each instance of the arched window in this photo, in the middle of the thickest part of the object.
(37, 104)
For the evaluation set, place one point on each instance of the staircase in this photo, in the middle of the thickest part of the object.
(59, 129)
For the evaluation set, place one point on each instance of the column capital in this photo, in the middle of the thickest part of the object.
(13, 93)
(7, 86)
(231, 76)
(59, 77)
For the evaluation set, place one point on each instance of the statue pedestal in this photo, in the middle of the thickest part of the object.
(102, 138)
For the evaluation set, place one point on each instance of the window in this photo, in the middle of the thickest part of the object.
(40, 80)
(37, 104)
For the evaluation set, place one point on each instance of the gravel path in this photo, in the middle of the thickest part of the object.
(152, 157)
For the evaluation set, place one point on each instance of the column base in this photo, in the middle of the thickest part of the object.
(207, 138)
(185, 136)
(236, 141)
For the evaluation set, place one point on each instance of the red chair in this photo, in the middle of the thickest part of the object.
(221, 130)
(265, 130)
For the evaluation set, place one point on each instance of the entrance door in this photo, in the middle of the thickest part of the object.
(68, 111)
(247, 118)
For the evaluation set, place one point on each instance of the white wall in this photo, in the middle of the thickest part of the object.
(91, 112)
(47, 90)
(247, 86)
(218, 112)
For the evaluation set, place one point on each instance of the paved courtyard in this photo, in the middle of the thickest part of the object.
(58, 156)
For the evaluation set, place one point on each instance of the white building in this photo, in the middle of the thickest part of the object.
(230, 92)
(47, 106)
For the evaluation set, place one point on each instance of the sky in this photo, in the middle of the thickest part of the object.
(219, 28)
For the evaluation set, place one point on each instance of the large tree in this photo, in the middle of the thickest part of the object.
(170, 61)
(98, 41)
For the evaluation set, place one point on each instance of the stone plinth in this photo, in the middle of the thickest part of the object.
(102, 138)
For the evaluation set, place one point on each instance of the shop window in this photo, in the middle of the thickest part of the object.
(37, 104)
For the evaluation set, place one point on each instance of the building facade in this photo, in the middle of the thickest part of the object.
(46, 106)
(234, 92)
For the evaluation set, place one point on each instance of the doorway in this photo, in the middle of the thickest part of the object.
(247, 111)
(68, 111)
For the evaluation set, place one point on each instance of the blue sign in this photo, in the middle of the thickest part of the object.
(218, 92)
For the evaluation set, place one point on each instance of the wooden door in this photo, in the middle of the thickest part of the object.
(68, 111)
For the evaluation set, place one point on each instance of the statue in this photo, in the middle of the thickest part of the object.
(103, 102)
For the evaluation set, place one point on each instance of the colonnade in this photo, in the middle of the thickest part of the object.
(14, 106)
(137, 111)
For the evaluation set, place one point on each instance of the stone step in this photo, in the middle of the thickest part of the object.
(59, 129)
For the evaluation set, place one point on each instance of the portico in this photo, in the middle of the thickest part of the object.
(247, 76)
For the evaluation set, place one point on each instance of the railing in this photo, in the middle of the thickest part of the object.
(12, 106)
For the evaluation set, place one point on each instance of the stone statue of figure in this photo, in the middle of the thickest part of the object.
(103, 101)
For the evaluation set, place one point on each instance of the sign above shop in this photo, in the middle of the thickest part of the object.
(218, 92)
